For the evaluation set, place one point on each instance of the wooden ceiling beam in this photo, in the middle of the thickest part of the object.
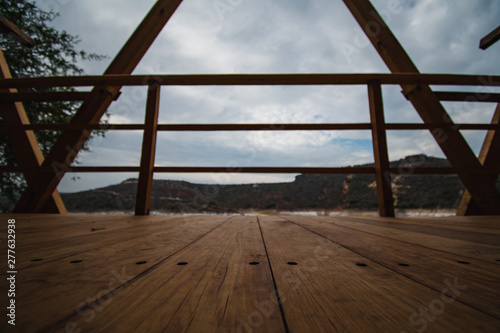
(69, 143)
(426, 103)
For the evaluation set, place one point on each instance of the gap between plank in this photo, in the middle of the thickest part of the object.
(381, 264)
(406, 242)
(287, 330)
(124, 285)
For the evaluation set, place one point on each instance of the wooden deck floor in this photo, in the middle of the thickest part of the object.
(89, 273)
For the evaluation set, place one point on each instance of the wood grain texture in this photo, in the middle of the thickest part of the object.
(90, 266)
(331, 291)
(120, 273)
(443, 242)
(426, 266)
(216, 291)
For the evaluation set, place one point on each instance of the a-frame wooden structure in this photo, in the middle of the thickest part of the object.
(43, 177)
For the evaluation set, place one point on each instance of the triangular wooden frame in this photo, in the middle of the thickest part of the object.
(425, 101)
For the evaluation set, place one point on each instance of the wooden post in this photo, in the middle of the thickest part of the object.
(382, 174)
(70, 142)
(24, 143)
(145, 184)
(490, 158)
(483, 191)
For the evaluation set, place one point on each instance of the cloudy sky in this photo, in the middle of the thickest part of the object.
(280, 36)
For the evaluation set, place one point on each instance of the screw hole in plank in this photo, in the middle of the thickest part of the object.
(75, 261)
(182, 263)
(141, 262)
(360, 264)
(253, 263)
(291, 263)
(403, 265)
(463, 262)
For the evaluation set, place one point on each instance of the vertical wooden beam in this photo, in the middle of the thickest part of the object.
(145, 184)
(70, 142)
(382, 174)
(489, 156)
(24, 143)
(426, 103)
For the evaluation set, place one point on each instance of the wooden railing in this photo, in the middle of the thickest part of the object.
(378, 126)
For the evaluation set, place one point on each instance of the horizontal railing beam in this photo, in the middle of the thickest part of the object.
(46, 96)
(406, 170)
(245, 127)
(251, 80)
(450, 96)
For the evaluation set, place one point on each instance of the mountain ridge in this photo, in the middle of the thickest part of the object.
(338, 192)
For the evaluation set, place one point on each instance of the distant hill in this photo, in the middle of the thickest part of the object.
(307, 192)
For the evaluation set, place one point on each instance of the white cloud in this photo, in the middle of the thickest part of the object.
(284, 36)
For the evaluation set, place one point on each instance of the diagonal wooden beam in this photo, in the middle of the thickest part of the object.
(489, 156)
(69, 144)
(490, 39)
(426, 103)
(13, 30)
(145, 183)
(24, 143)
(382, 173)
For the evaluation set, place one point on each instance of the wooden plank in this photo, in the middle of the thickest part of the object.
(65, 150)
(217, 290)
(466, 97)
(326, 291)
(441, 224)
(145, 183)
(490, 39)
(381, 157)
(253, 80)
(483, 191)
(489, 157)
(426, 266)
(25, 145)
(14, 31)
(264, 127)
(444, 242)
(437, 229)
(89, 240)
(245, 127)
(56, 289)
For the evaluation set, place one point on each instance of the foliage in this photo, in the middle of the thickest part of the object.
(54, 54)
